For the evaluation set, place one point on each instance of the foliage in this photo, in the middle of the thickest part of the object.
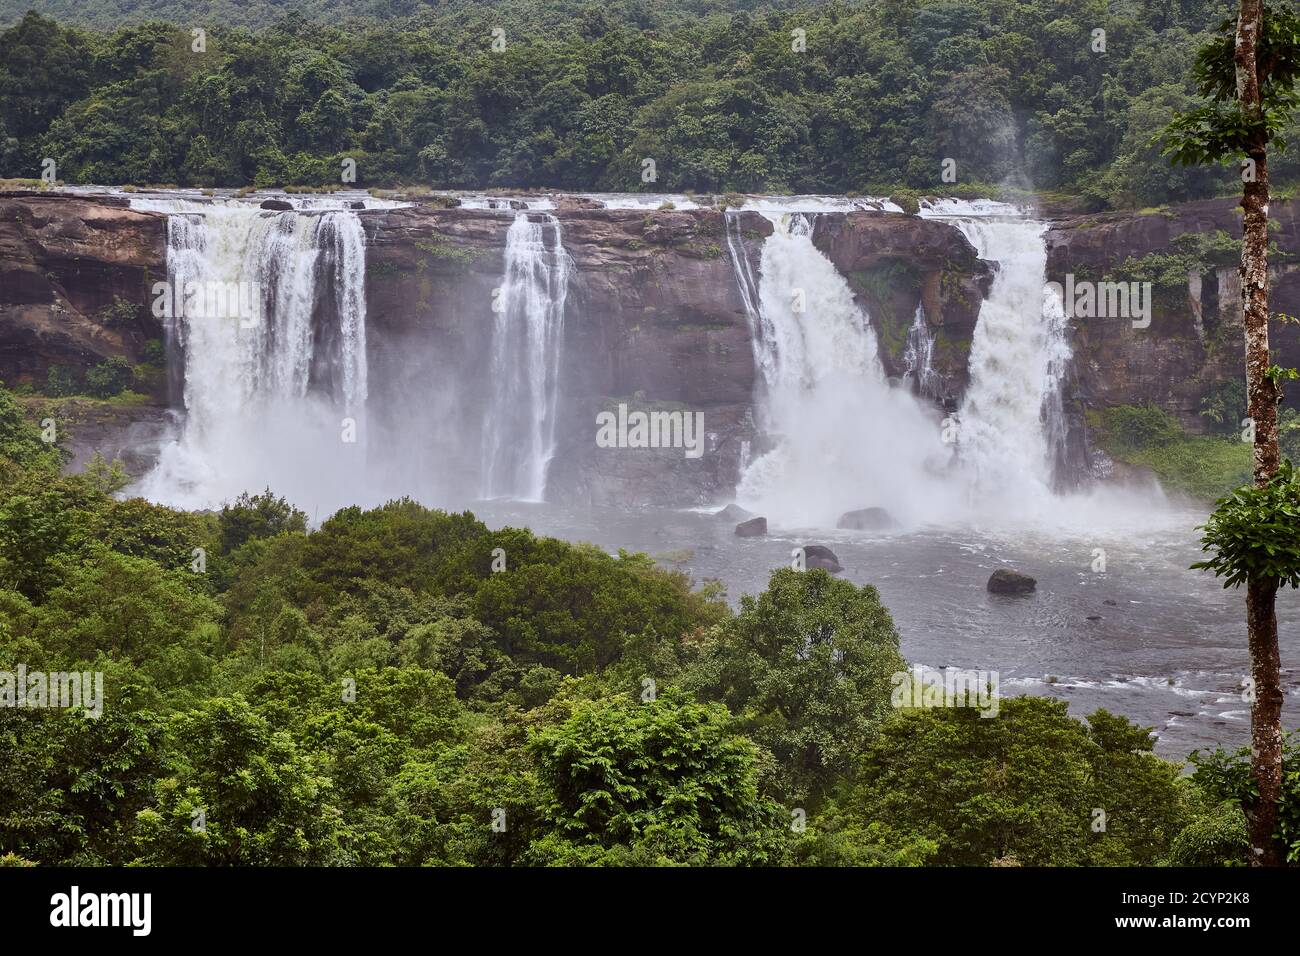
(1220, 130)
(238, 793)
(1215, 838)
(1133, 428)
(807, 666)
(961, 789)
(107, 476)
(61, 381)
(1254, 533)
(121, 313)
(258, 516)
(1167, 271)
(21, 445)
(373, 693)
(72, 785)
(1226, 776)
(1202, 466)
(714, 91)
(1288, 434)
(667, 780)
(1224, 406)
(108, 378)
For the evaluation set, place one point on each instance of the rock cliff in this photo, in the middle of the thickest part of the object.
(655, 318)
(75, 278)
(1195, 337)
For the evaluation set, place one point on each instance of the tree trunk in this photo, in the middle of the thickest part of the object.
(1265, 723)
(1261, 614)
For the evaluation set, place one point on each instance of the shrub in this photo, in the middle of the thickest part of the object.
(60, 381)
(109, 378)
(907, 201)
(1200, 465)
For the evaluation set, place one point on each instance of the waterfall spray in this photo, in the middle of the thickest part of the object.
(843, 437)
(278, 401)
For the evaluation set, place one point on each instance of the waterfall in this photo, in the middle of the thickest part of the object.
(843, 437)
(1012, 423)
(918, 357)
(274, 396)
(527, 339)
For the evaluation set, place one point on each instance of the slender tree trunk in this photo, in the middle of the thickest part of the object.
(1265, 723)
(1261, 614)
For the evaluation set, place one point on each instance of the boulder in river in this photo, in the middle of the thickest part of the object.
(867, 519)
(733, 512)
(753, 528)
(1006, 581)
(279, 205)
(820, 556)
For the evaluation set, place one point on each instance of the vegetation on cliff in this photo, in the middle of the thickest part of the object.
(1203, 466)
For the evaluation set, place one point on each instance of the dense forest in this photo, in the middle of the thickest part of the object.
(721, 95)
(404, 686)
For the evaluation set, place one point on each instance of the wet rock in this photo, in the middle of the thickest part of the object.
(820, 556)
(734, 513)
(356, 204)
(1109, 603)
(279, 205)
(867, 519)
(1094, 617)
(1006, 581)
(565, 203)
(753, 528)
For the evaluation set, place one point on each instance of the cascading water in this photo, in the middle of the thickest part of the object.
(1012, 424)
(918, 357)
(276, 396)
(528, 335)
(843, 438)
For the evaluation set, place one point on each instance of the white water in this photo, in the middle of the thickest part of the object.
(844, 438)
(519, 429)
(918, 356)
(268, 405)
(265, 406)
(1012, 424)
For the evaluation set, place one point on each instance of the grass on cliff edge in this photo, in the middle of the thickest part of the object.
(1204, 466)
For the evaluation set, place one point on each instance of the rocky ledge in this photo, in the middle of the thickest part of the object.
(75, 278)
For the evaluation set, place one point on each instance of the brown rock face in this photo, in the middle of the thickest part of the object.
(654, 319)
(75, 280)
(895, 263)
(1195, 336)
